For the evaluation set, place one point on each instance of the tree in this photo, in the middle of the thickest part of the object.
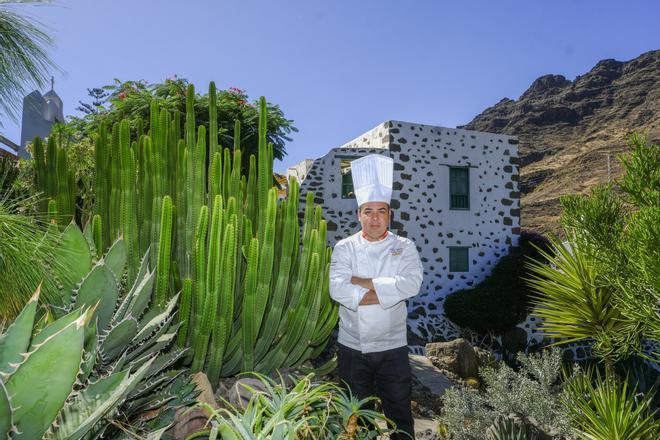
(24, 62)
(132, 100)
(99, 96)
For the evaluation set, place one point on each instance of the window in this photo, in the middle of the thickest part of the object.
(459, 259)
(346, 178)
(459, 188)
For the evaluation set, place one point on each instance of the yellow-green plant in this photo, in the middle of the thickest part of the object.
(606, 408)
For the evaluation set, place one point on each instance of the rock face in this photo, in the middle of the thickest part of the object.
(457, 357)
(567, 129)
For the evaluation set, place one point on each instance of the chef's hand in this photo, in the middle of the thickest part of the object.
(363, 282)
(369, 298)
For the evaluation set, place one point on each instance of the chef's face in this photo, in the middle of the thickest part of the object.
(374, 218)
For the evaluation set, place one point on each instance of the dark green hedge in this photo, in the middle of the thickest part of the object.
(502, 299)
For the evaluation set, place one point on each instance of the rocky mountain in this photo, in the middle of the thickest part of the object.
(568, 129)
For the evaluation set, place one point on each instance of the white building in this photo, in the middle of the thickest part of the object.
(455, 195)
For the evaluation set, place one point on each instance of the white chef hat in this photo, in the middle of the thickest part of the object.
(372, 178)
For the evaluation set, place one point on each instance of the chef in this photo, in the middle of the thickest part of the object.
(372, 273)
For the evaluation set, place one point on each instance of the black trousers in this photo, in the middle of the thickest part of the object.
(385, 374)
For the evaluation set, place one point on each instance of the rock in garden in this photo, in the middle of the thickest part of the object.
(457, 356)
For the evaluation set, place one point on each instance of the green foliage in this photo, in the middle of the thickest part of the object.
(641, 182)
(23, 57)
(23, 241)
(502, 300)
(605, 408)
(610, 263)
(54, 386)
(304, 409)
(534, 391)
(574, 300)
(199, 214)
(101, 356)
(132, 100)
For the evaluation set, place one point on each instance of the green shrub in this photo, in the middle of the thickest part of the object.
(611, 263)
(502, 300)
(534, 391)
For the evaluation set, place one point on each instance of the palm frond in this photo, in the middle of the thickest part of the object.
(24, 60)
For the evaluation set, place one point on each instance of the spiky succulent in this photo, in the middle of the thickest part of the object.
(102, 356)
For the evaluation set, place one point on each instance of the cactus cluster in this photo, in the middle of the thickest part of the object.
(102, 352)
(254, 290)
(54, 179)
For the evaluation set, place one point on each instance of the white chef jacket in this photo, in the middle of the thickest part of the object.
(394, 266)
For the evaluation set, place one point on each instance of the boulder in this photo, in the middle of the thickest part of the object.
(457, 356)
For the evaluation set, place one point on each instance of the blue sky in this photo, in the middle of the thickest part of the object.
(339, 68)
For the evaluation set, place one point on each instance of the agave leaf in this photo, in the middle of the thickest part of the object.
(99, 286)
(160, 343)
(17, 338)
(6, 419)
(115, 258)
(42, 383)
(142, 296)
(120, 314)
(55, 327)
(87, 233)
(118, 338)
(166, 360)
(156, 321)
(89, 355)
(97, 400)
(74, 256)
(154, 382)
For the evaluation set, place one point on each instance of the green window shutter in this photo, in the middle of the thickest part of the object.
(459, 259)
(347, 186)
(459, 188)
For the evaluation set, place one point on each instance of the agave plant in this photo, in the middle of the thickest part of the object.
(304, 409)
(101, 355)
(509, 428)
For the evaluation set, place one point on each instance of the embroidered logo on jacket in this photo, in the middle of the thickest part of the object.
(396, 252)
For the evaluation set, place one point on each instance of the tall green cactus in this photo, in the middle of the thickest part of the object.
(253, 285)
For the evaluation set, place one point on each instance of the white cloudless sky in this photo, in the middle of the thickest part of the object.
(337, 67)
